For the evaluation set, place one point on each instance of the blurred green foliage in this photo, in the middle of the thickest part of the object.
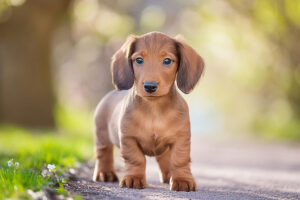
(34, 150)
(253, 65)
(252, 76)
(277, 96)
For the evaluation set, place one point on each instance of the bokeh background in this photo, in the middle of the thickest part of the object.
(55, 57)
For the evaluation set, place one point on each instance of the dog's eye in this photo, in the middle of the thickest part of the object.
(167, 61)
(139, 60)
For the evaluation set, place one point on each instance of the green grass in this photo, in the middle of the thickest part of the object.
(14, 182)
(35, 149)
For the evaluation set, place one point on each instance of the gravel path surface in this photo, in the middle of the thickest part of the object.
(224, 170)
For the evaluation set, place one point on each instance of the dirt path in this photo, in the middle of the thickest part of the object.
(223, 170)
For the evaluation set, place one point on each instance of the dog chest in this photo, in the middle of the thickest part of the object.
(153, 129)
(153, 145)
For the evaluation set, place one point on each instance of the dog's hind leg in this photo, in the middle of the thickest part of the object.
(104, 167)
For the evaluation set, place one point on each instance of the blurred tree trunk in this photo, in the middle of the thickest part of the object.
(26, 93)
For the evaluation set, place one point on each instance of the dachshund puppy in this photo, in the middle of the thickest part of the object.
(146, 115)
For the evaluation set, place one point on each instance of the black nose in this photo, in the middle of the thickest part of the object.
(150, 87)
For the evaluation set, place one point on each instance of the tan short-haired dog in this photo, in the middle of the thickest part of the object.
(146, 115)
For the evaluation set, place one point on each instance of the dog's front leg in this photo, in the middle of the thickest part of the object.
(164, 166)
(135, 164)
(181, 176)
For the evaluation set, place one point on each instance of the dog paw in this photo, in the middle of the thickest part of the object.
(109, 176)
(165, 177)
(130, 181)
(180, 184)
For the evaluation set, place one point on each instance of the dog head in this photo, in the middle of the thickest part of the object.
(152, 62)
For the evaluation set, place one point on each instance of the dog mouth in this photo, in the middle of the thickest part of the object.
(151, 97)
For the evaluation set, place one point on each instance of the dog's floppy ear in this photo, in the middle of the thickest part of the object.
(190, 66)
(121, 66)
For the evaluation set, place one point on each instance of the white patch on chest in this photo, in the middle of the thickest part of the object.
(155, 136)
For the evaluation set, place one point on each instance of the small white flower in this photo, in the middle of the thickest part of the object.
(44, 173)
(10, 162)
(17, 164)
(50, 167)
(72, 171)
(36, 195)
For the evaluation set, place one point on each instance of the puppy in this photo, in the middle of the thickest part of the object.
(146, 115)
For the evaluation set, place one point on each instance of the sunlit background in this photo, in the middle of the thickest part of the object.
(252, 77)
(55, 57)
